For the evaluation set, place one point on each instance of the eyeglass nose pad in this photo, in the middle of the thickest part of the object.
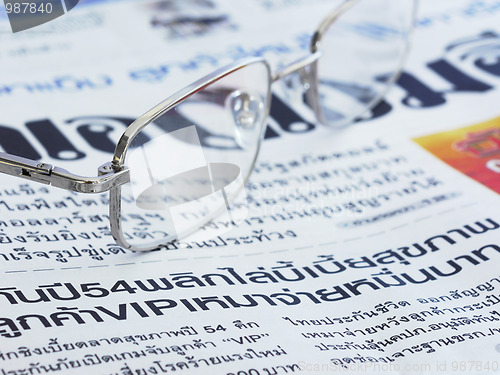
(295, 86)
(247, 111)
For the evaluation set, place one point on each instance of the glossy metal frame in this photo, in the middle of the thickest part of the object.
(312, 95)
(114, 174)
(135, 128)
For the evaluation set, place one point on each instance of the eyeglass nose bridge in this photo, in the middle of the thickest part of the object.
(296, 66)
(300, 80)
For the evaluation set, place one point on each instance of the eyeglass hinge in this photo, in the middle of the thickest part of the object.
(40, 172)
(105, 169)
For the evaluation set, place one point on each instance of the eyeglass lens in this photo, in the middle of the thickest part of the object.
(192, 162)
(361, 53)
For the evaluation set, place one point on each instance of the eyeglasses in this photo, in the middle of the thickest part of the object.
(186, 160)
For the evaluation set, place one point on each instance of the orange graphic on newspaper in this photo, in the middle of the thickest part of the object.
(473, 150)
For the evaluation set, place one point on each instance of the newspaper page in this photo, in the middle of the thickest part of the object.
(368, 249)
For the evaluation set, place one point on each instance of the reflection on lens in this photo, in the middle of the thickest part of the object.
(194, 164)
(361, 53)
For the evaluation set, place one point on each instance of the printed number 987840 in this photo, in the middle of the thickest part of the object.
(28, 8)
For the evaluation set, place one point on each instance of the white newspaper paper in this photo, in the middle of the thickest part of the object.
(366, 249)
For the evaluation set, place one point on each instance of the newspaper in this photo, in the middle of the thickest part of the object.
(368, 249)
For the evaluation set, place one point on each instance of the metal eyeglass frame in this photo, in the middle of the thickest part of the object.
(113, 174)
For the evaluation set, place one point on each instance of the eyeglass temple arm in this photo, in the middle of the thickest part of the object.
(61, 178)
